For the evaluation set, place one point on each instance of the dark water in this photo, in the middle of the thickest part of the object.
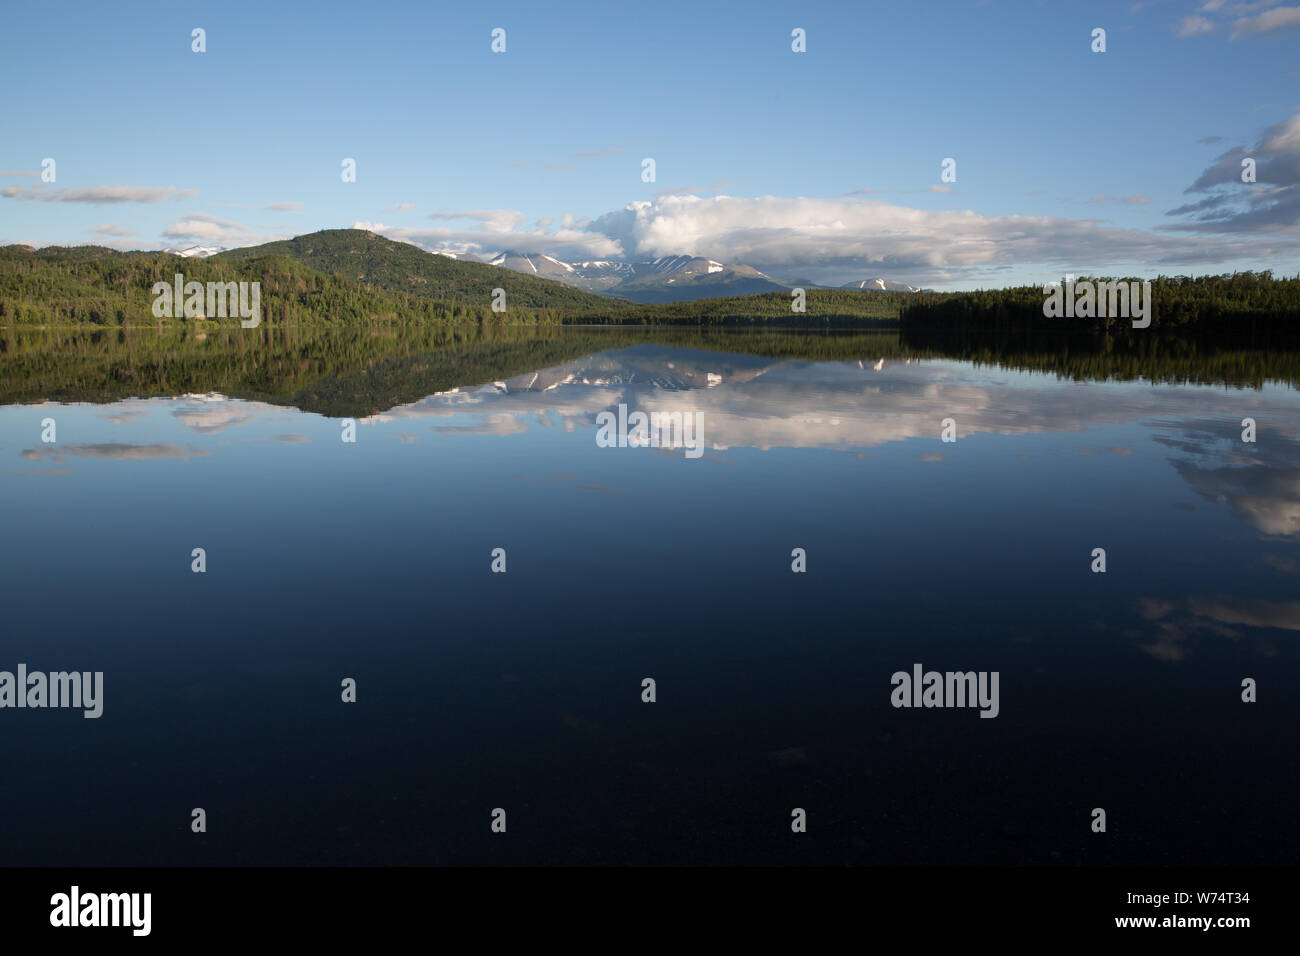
(477, 690)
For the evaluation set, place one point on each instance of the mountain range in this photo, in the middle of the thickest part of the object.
(881, 285)
(195, 252)
(665, 279)
(680, 278)
(669, 278)
(392, 266)
(346, 275)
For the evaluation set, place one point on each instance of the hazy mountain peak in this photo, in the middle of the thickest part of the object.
(880, 285)
(196, 252)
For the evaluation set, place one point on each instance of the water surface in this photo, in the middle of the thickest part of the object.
(371, 560)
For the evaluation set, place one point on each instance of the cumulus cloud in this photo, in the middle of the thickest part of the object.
(98, 195)
(756, 402)
(1261, 488)
(118, 450)
(1195, 26)
(491, 425)
(493, 220)
(834, 240)
(112, 229)
(1270, 204)
(124, 417)
(1280, 18)
(833, 237)
(1284, 615)
(208, 418)
(567, 242)
(202, 228)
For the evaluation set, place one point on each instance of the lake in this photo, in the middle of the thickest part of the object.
(371, 560)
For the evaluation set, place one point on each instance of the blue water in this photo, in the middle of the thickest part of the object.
(371, 560)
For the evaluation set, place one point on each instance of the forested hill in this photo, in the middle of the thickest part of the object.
(1241, 304)
(401, 267)
(91, 285)
(349, 275)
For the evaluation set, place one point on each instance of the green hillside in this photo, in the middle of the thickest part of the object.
(1241, 305)
(347, 275)
(401, 267)
(94, 286)
(841, 308)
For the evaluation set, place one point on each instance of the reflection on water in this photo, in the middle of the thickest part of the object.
(370, 559)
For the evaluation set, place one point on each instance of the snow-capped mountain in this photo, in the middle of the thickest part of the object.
(649, 367)
(880, 285)
(681, 278)
(535, 265)
(596, 275)
(666, 279)
(196, 252)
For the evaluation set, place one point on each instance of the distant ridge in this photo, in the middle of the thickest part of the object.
(680, 278)
(880, 285)
(401, 267)
(196, 252)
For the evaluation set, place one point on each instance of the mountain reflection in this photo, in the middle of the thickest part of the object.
(748, 401)
(329, 557)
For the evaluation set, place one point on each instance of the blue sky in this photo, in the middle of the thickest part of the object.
(823, 164)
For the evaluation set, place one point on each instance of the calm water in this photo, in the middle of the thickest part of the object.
(371, 560)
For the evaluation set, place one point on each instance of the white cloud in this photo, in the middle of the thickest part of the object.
(598, 153)
(833, 237)
(284, 206)
(564, 243)
(493, 220)
(1195, 26)
(1281, 18)
(99, 195)
(202, 228)
(1270, 206)
(112, 229)
(118, 450)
